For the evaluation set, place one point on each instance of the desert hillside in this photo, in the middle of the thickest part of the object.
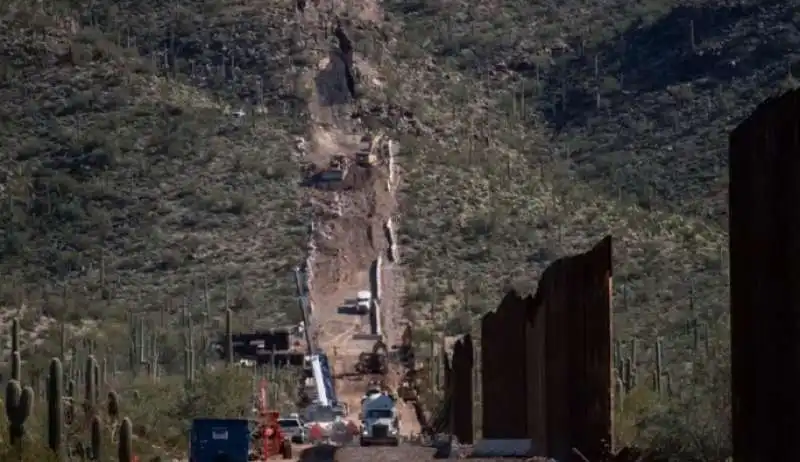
(154, 154)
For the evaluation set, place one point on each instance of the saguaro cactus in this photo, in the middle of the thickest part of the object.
(228, 336)
(19, 403)
(658, 375)
(55, 408)
(15, 334)
(69, 414)
(113, 405)
(16, 366)
(90, 385)
(125, 446)
(97, 438)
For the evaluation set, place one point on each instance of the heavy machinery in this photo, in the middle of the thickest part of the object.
(337, 169)
(380, 423)
(374, 362)
(363, 301)
(366, 157)
(268, 437)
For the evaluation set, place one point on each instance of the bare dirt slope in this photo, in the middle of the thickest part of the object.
(349, 223)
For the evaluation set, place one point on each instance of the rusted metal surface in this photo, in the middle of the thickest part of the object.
(503, 376)
(546, 360)
(462, 393)
(764, 225)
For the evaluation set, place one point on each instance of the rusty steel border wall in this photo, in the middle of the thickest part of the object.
(764, 226)
(546, 360)
(462, 391)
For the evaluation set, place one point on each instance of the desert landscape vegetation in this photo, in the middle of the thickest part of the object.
(153, 158)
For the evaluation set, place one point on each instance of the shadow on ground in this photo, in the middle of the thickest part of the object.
(321, 453)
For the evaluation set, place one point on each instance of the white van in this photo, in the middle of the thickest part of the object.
(363, 301)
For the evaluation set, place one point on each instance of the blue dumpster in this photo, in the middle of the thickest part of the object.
(219, 440)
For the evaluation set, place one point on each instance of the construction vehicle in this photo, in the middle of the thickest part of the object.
(407, 391)
(363, 300)
(374, 362)
(380, 422)
(337, 169)
(269, 439)
(367, 157)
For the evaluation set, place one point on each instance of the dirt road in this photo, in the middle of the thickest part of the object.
(349, 236)
(349, 229)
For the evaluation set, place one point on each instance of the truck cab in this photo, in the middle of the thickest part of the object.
(379, 420)
(363, 301)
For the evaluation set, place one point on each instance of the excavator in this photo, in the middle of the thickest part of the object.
(366, 157)
(374, 362)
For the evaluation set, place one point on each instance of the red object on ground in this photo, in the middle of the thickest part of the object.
(315, 433)
(272, 435)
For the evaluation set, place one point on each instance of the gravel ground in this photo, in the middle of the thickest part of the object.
(402, 453)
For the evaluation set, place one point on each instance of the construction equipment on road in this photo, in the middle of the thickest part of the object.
(268, 438)
(374, 362)
(337, 169)
(363, 301)
(279, 347)
(293, 428)
(366, 156)
(407, 391)
(380, 422)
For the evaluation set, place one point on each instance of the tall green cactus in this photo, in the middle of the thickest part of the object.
(90, 390)
(12, 398)
(228, 337)
(16, 366)
(187, 366)
(97, 438)
(55, 408)
(113, 405)
(19, 404)
(658, 375)
(15, 335)
(125, 445)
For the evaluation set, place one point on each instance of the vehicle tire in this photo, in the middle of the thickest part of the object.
(364, 443)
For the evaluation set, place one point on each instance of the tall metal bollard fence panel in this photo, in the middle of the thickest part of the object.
(764, 225)
(462, 390)
(547, 360)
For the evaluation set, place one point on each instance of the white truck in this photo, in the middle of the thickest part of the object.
(380, 424)
(363, 301)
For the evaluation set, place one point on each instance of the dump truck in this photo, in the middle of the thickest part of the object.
(380, 423)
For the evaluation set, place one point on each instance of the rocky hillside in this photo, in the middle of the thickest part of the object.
(150, 153)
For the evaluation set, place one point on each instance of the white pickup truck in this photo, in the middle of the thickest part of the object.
(363, 301)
